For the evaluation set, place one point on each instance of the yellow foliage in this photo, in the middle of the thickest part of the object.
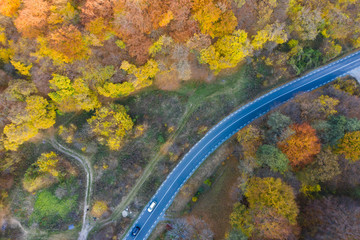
(274, 193)
(309, 190)
(356, 42)
(325, 33)
(61, 13)
(41, 113)
(3, 39)
(214, 19)
(22, 68)
(250, 139)
(38, 114)
(20, 89)
(6, 54)
(139, 130)
(99, 208)
(143, 75)
(120, 44)
(100, 30)
(328, 104)
(67, 133)
(64, 45)
(9, 8)
(227, 52)
(114, 90)
(72, 96)
(271, 33)
(45, 51)
(111, 125)
(158, 45)
(47, 163)
(166, 18)
(18, 134)
(43, 181)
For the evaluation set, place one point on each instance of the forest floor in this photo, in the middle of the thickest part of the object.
(223, 190)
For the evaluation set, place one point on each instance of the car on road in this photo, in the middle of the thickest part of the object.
(135, 231)
(152, 206)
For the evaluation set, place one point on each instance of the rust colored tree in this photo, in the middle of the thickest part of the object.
(301, 147)
(32, 20)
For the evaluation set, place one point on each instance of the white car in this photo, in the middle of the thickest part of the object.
(152, 206)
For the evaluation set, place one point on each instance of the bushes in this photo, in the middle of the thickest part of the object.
(272, 157)
(99, 208)
(305, 59)
(49, 210)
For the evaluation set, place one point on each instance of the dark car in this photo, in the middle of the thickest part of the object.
(135, 231)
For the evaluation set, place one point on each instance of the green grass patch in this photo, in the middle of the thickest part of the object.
(51, 211)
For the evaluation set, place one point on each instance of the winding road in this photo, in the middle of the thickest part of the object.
(228, 127)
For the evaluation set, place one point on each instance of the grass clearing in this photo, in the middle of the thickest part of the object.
(215, 205)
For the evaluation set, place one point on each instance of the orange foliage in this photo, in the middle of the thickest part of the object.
(183, 26)
(301, 147)
(69, 42)
(138, 47)
(32, 18)
(132, 23)
(158, 10)
(93, 9)
(9, 7)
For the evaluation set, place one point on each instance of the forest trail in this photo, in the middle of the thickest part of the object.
(85, 163)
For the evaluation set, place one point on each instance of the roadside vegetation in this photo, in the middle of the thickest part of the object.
(294, 165)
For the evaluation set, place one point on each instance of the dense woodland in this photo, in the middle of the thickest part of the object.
(62, 60)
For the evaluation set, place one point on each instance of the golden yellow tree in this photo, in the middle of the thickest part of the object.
(9, 7)
(111, 125)
(22, 68)
(227, 52)
(38, 114)
(99, 208)
(72, 96)
(47, 163)
(215, 17)
(143, 75)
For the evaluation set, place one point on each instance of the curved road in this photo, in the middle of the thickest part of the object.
(228, 127)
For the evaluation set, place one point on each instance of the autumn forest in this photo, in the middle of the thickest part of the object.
(100, 99)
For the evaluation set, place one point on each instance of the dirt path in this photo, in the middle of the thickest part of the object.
(85, 163)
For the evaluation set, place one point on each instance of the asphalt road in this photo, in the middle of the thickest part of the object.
(228, 127)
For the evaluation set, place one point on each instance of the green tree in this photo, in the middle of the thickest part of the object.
(236, 234)
(305, 59)
(272, 157)
(335, 128)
